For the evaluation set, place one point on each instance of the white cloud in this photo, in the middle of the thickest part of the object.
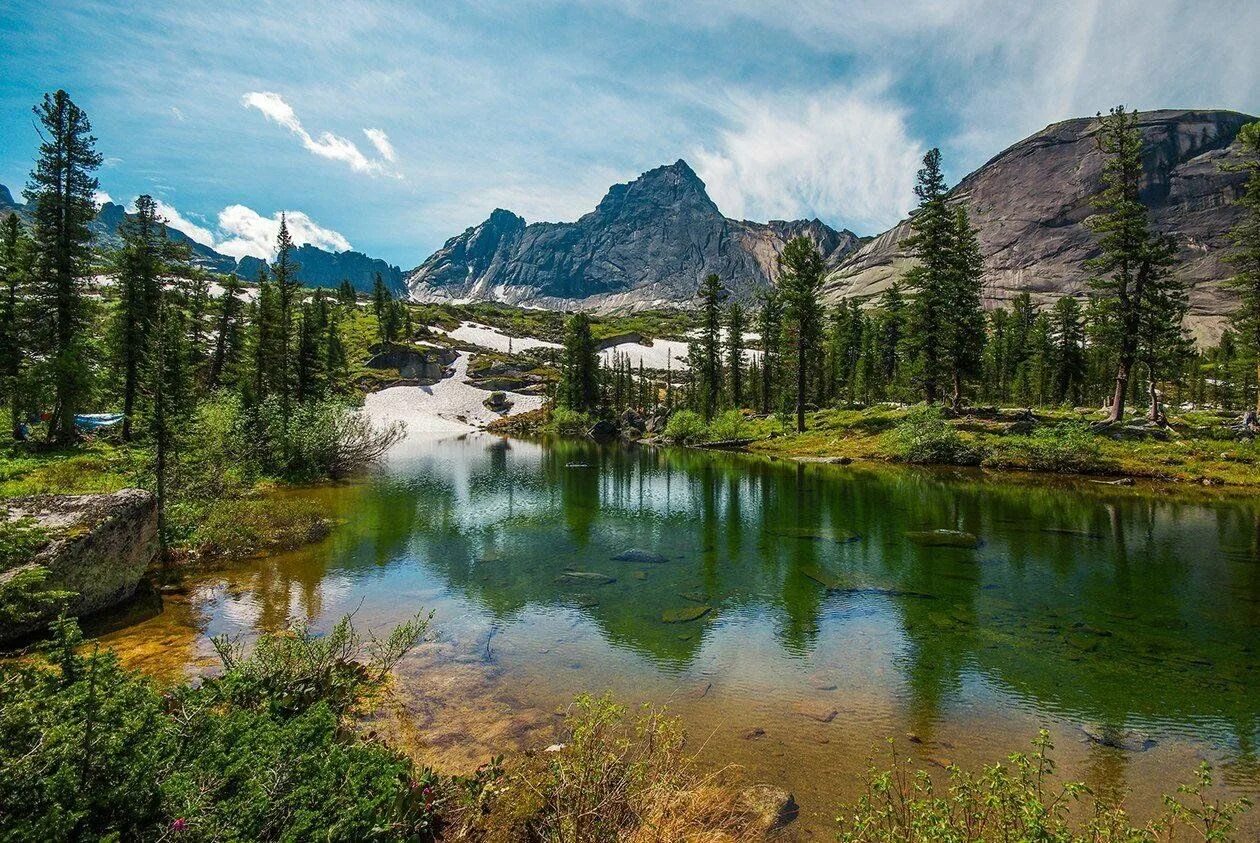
(176, 220)
(100, 197)
(840, 154)
(380, 140)
(246, 232)
(327, 145)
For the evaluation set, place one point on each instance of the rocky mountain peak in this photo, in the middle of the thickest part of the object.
(668, 185)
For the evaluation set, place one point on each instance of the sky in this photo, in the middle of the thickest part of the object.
(389, 126)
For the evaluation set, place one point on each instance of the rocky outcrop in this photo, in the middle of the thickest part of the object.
(320, 268)
(98, 549)
(1030, 204)
(427, 365)
(649, 243)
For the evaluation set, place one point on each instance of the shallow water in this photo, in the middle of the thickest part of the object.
(794, 615)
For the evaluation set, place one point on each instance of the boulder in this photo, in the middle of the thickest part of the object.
(428, 365)
(99, 547)
(497, 402)
(603, 429)
(771, 807)
(631, 420)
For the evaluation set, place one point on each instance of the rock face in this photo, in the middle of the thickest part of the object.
(427, 365)
(320, 268)
(649, 243)
(99, 546)
(1030, 204)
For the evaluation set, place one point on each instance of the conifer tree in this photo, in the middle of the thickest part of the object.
(61, 190)
(265, 335)
(580, 377)
(15, 318)
(964, 309)
(707, 367)
(1246, 254)
(801, 271)
(168, 382)
(931, 244)
(228, 335)
(769, 324)
(735, 324)
(284, 273)
(140, 268)
(345, 293)
(1134, 291)
(1069, 350)
(891, 334)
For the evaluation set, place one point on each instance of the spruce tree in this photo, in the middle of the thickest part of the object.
(15, 318)
(769, 324)
(345, 293)
(891, 334)
(1069, 350)
(1246, 254)
(61, 190)
(225, 360)
(931, 244)
(139, 267)
(580, 377)
(284, 275)
(801, 271)
(735, 324)
(963, 351)
(1163, 345)
(708, 366)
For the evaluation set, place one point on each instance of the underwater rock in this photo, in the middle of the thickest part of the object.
(585, 578)
(820, 711)
(824, 578)
(773, 807)
(818, 534)
(943, 538)
(685, 614)
(1130, 740)
(639, 556)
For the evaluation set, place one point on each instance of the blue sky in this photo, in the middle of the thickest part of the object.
(388, 126)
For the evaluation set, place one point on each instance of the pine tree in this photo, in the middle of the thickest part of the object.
(284, 274)
(708, 372)
(225, 360)
(931, 245)
(963, 353)
(801, 271)
(345, 293)
(1163, 345)
(139, 267)
(769, 324)
(1069, 350)
(15, 318)
(1246, 254)
(168, 382)
(61, 190)
(891, 334)
(735, 324)
(580, 377)
(1133, 289)
(266, 336)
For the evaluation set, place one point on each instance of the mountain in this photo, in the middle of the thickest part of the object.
(1030, 204)
(320, 268)
(648, 243)
(316, 267)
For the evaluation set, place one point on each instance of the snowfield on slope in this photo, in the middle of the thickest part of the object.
(494, 339)
(450, 405)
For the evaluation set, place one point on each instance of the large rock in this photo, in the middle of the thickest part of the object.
(425, 365)
(1030, 204)
(99, 547)
(649, 243)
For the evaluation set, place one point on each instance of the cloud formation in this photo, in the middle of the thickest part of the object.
(176, 220)
(840, 155)
(327, 145)
(244, 231)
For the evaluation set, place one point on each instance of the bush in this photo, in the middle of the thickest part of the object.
(1069, 447)
(91, 751)
(728, 425)
(924, 436)
(569, 422)
(323, 439)
(1014, 801)
(25, 596)
(685, 426)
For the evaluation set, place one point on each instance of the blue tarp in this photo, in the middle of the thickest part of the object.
(91, 421)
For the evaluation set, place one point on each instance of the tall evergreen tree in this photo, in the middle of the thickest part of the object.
(735, 324)
(964, 336)
(345, 293)
(168, 381)
(1246, 253)
(139, 268)
(931, 244)
(1132, 271)
(15, 318)
(1069, 350)
(284, 274)
(61, 190)
(226, 358)
(707, 369)
(801, 271)
(769, 324)
(580, 378)
(891, 334)
(1163, 345)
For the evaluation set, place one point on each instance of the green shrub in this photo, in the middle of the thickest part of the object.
(1015, 801)
(924, 436)
(25, 596)
(685, 426)
(568, 422)
(1068, 447)
(726, 426)
(90, 751)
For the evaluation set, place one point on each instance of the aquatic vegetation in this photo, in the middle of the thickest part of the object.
(1015, 800)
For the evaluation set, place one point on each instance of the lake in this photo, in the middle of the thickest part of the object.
(796, 616)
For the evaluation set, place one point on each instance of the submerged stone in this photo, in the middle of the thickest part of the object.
(820, 534)
(943, 538)
(1130, 740)
(823, 577)
(640, 557)
(685, 614)
(585, 578)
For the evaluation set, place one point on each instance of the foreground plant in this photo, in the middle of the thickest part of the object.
(1016, 801)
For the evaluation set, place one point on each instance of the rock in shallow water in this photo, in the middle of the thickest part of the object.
(772, 807)
(685, 614)
(640, 557)
(943, 538)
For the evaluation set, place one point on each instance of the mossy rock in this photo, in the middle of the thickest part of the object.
(685, 614)
(943, 538)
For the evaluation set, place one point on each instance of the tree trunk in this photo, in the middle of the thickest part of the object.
(956, 401)
(1258, 390)
(800, 387)
(1122, 390)
(1154, 415)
